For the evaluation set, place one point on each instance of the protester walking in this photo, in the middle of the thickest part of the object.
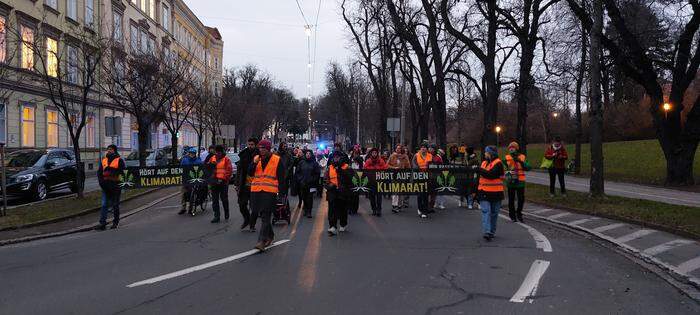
(306, 176)
(472, 177)
(515, 181)
(267, 187)
(357, 162)
(190, 159)
(421, 161)
(109, 177)
(338, 181)
(398, 160)
(375, 163)
(243, 180)
(490, 191)
(436, 201)
(556, 153)
(221, 171)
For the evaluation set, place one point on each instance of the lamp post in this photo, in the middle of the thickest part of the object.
(555, 114)
(666, 107)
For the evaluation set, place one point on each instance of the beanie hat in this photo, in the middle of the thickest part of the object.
(491, 150)
(265, 144)
(514, 145)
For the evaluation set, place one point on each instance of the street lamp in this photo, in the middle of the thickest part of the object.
(498, 135)
(666, 107)
(307, 30)
(555, 115)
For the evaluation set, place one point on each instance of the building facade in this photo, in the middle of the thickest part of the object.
(28, 118)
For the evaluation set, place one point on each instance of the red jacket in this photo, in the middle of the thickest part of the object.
(375, 164)
(558, 157)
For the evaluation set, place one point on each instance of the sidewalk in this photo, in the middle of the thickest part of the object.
(85, 222)
(635, 191)
(679, 255)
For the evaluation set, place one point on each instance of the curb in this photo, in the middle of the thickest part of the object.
(70, 216)
(83, 228)
(669, 269)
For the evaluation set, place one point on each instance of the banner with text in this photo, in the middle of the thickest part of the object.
(162, 176)
(439, 179)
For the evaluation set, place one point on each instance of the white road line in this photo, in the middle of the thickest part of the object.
(582, 221)
(557, 216)
(541, 241)
(608, 227)
(690, 265)
(634, 235)
(658, 249)
(528, 289)
(542, 211)
(202, 266)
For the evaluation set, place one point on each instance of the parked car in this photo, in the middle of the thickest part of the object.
(233, 156)
(34, 173)
(154, 158)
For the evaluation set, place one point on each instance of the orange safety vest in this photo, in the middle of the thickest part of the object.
(516, 167)
(220, 172)
(423, 163)
(266, 180)
(491, 185)
(114, 165)
(333, 174)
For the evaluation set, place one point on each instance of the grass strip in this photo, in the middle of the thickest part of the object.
(683, 220)
(56, 209)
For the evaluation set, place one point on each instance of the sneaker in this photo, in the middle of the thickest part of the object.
(342, 229)
(182, 211)
(395, 209)
(244, 225)
(441, 207)
(216, 220)
(520, 218)
(252, 229)
(423, 216)
(260, 246)
(332, 231)
(114, 226)
(101, 227)
(460, 204)
(470, 207)
(488, 237)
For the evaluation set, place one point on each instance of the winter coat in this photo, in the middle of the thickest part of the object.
(375, 164)
(246, 158)
(187, 161)
(496, 172)
(307, 173)
(110, 185)
(344, 189)
(558, 157)
(397, 161)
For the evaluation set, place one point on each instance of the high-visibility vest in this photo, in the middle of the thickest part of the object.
(516, 167)
(333, 174)
(114, 165)
(220, 171)
(423, 162)
(491, 185)
(266, 180)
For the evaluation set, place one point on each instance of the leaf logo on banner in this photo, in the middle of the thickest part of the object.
(196, 175)
(360, 183)
(126, 179)
(446, 182)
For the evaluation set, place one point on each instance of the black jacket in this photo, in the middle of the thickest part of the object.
(246, 158)
(110, 185)
(281, 173)
(344, 189)
(307, 172)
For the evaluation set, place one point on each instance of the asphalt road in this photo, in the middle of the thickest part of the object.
(396, 264)
(665, 195)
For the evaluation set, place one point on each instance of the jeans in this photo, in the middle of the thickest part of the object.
(337, 212)
(307, 197)
(219, 191)
(489, 215)
(375, 201)
(553, 174)
(263, 204)
(110, 199)
(514, 213)
(243, 199)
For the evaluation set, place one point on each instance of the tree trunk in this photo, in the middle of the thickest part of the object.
(523, 95)
(80, 180)
(143, 142)
(579, 87)
(199, 143)
(597, 185)
(174, 148)
(679, 164)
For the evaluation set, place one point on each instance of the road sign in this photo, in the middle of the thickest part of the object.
(393, 124)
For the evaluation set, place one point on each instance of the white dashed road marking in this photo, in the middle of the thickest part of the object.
(608, 227)
(634, 235)
(202, 266)
(582, 221)
(542, 211)
(560, 215)
(690, 265)
(658, 249)
(528, 288)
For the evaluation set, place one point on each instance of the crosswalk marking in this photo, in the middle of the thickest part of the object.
(634, 235)
(582, 221)
(658, 249)
(560, 215)
(542, 211)
(608, 227)
(690, 265)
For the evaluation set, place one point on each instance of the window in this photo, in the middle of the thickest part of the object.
(151, 45)
(117, 26)
(134, 37)
(152, 9)
(2, 123)
(27, 61)
(72, 66)
(90, 132)
(27, 126)
(52, 3)
(3, 36)
(89, 12)
(143, 5)
(51, 128)
(165, 19)
(144, 41)
(51, 57)
(72, 9)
